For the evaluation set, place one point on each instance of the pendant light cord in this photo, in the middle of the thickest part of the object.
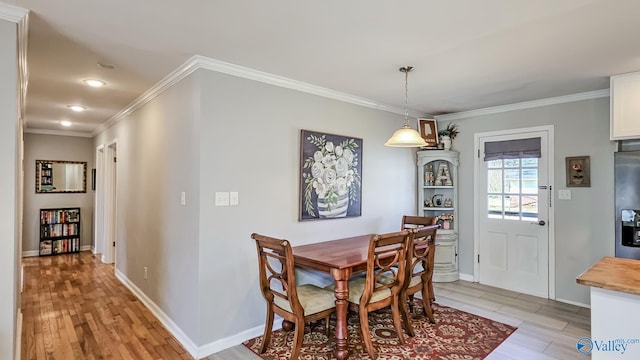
(406, 95)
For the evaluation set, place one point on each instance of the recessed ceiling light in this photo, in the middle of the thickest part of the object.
(65, 123)
(94, 82)
(77, 108)
(106, 66)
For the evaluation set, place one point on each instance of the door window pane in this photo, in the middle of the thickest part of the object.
(512, 187)
(494, 181)
(511, 163)
(511, 181)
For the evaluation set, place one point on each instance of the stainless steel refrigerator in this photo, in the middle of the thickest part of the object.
(627, 191)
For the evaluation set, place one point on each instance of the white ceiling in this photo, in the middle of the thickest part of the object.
(467, 54)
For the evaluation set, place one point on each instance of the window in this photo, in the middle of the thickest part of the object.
(513, 189)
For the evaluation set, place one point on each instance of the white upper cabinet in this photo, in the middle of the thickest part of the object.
(625, 106)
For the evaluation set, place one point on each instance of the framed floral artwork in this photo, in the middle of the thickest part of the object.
(330, 176)
(578, 172)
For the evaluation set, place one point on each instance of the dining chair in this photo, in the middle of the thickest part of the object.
(386, 258)
(419, 272)
(297, 304)
(414, 222)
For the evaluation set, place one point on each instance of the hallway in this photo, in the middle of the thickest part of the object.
(74, 308)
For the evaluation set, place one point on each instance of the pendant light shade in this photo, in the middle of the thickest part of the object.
(406, 136)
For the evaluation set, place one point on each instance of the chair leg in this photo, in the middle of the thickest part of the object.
(432, 295)
(326, 325)
(426, 304)
(396, 319)
(268, 325)
(406, 319)
(366, 334)
(298, 337)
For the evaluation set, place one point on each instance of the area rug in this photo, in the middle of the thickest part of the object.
(456, 335)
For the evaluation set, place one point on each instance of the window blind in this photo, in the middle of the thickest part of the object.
(512, 149)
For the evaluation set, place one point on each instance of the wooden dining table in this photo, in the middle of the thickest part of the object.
(340, 258)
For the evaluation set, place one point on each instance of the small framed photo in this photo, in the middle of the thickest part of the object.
(429, 132)
(578, 171)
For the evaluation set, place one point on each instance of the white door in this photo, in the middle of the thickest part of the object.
(513, 218)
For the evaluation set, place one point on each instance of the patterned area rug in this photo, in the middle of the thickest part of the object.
(456, 335)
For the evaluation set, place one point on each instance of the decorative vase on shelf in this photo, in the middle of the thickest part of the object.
(446, 141)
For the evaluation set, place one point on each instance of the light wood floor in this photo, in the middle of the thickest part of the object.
(547, 329)
(74, 308)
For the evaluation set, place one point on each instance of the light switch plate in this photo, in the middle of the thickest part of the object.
(183, 198)
(233, 198)
(222, 198)
(564, 194)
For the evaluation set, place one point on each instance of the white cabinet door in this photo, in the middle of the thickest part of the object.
(625, 106)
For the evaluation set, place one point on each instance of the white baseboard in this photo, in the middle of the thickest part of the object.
(195, 351)
(166, 321)
(466, 277)
(18, 334)
(30, 253)
(571, 302)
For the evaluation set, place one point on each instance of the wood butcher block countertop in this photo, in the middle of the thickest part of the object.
(615, 274)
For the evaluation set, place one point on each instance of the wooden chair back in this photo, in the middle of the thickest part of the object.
(421, 253)
(412, 222)
(386, 258)
(277, 271)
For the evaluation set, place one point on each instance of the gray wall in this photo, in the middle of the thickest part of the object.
(9, 189)
(54, 147)
(584, 228)
(250, 143)
(158, 154)
(213, 132)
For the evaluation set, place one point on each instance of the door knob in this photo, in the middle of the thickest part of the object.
(541, 223)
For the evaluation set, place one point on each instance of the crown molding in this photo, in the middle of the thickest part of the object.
(200, 62)
(525, 105)
(58, 133)
(23, 67)
(12, 13)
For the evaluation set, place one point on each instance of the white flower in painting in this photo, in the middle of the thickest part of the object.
(316, 169)
(318, 185)
(329, 176)
(329, 146)
(338, 150)
(349, 178)
(329, 160)
(342, 167)
(348, 155)
(341, 186)
(317, 156)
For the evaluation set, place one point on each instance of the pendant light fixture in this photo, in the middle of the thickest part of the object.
(406, 136)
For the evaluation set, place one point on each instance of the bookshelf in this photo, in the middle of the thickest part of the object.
(59, 231)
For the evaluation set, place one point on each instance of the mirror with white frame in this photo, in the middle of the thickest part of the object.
(56, 176)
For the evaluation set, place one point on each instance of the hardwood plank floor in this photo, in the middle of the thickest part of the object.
(74, 308)
(547, 329)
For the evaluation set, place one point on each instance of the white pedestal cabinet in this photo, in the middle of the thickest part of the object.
(438, 195)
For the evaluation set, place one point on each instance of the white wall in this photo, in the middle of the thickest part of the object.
(9, 263)
(54, 147)
(584, 228)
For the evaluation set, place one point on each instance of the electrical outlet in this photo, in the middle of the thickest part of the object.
(146, 273)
